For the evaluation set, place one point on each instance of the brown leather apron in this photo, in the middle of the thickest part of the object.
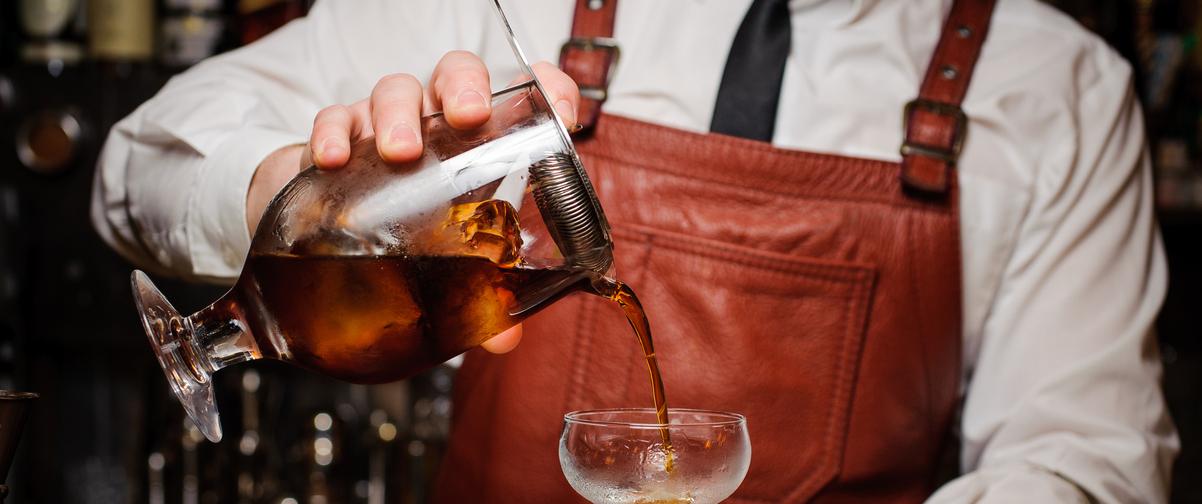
(818, 295)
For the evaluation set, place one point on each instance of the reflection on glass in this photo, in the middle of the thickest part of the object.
(619, 456)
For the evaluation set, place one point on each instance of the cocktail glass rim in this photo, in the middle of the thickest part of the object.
(580, 417)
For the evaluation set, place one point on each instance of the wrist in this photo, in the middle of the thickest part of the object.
(272, 174)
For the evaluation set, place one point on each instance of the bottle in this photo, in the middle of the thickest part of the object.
(52, 29)
(190, 31)
(121, 30)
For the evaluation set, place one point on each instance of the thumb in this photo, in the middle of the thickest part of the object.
(504, 342)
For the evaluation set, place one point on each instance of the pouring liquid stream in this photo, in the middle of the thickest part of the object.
(621, 294)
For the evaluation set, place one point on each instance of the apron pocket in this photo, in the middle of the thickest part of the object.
(772, 336)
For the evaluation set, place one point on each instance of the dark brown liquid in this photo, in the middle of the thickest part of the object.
(374, 319)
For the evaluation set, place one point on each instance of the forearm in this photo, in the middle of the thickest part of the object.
(174, 181)
(175, 211)
(1065, 389)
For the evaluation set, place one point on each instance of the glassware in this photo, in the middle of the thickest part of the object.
(618, 455)
(376, 271)
(14, 410)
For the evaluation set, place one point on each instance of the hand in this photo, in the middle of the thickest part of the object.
(459, 86)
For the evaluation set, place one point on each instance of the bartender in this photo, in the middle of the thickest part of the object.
(986, 290)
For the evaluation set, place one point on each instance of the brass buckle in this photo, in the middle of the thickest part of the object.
(592, 92)
(944, 154)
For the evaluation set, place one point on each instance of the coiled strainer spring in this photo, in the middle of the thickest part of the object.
(565, 198)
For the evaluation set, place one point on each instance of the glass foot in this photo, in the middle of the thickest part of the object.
(171, 339)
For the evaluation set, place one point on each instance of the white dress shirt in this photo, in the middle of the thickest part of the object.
(1063, 267)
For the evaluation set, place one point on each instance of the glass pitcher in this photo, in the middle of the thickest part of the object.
(377, 271)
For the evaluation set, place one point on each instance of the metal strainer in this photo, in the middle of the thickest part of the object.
(572, 213)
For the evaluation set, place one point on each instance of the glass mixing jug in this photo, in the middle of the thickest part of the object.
(377, 271)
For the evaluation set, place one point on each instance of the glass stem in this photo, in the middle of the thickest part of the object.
(221, 336)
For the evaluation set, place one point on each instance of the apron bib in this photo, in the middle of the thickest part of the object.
(818, 295)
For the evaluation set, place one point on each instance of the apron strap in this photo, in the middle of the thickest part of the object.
(589, 57)
(934, 123)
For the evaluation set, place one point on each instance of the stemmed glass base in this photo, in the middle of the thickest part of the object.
(171, 338)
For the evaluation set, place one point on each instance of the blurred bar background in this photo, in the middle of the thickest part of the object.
(105, 429)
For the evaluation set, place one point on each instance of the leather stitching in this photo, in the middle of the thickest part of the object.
(916, 288)
(825, 164)
(823, 269)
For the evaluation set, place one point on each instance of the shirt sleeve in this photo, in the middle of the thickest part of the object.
(1064, 401)
(171, 183)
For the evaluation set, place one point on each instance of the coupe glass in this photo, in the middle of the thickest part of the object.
(377, 271)
(618, 456)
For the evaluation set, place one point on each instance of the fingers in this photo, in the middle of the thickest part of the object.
(396, 107)
(561, 89)
(504, 342)
(460, 85)
(333, 128)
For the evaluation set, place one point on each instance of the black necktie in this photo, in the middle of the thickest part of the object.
(750, 90)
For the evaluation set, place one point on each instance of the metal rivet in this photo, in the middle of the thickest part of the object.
(964, 31)
(949, 72)
(596, 4)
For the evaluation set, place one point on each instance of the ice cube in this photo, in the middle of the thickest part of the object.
(487, 229)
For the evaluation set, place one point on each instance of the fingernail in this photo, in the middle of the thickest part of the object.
(576, 128)
(470, 99)
(330, 148)
(566, 112)
(400, 135)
